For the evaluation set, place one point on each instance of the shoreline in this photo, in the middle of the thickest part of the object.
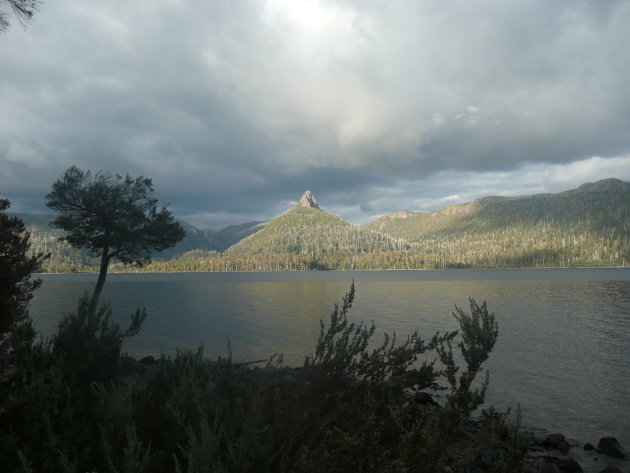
(345, 270)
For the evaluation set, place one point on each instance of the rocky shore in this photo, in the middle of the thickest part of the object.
(554, 453)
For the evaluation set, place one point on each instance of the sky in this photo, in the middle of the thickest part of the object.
(234, 108)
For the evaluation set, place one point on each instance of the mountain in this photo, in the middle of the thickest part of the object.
(589, 225)
(64, 257)
(306, 229)
(232, 234)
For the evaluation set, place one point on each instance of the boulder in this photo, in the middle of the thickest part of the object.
(610, 446)
(553, 440)
(588, 446)
(549, 468)
(538, 440)
(147, 360)
(563, 446)
(611, 469)
(569, 465)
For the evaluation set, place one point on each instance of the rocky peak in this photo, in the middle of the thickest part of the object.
(308, 200)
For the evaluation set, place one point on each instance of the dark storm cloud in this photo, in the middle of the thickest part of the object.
(235, 108)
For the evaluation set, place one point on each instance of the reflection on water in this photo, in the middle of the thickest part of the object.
(564, 335)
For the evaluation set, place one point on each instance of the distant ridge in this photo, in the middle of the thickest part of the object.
(609, 185)
(587, 226)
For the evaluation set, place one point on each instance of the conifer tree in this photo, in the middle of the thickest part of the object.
(114, 217)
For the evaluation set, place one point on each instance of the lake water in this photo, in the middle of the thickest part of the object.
(563, 350)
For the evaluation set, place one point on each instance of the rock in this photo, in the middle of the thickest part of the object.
(563, 446)
(569, 465)
(553, 440)
(588, 446)
(308, 200)
(550, 468)
(611, 469)
(538, 440)
(609, 446)
(147, 360)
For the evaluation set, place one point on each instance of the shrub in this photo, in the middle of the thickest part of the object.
(353, 406)
(479, 332)
(88, 345)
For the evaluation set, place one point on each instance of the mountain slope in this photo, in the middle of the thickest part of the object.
(232, 234)
(310, 231)
(589, 225)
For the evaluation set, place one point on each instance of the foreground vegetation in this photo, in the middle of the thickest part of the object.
(73, 403)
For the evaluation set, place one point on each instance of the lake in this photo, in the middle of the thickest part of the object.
(563, 350)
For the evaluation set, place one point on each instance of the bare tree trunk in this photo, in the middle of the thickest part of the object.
(96, 294)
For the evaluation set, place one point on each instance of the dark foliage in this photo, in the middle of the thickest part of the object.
(22, 9)
(88, 345)
(51, 406)
(77, 407)
(115, 218)
(16, 266)
(479, 334)
(343, 352)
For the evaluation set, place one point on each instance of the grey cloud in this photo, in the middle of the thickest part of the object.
(235, 108)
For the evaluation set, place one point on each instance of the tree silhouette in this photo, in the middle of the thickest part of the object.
(113, 217)
(16, 266)
(23, 10)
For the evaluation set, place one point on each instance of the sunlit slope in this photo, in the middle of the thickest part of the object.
(313, 232)
(589, 225)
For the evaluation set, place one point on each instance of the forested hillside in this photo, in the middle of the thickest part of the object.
(301, 238)
(313, 232)
(587, 226)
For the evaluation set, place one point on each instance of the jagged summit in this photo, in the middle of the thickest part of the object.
(308, 200)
